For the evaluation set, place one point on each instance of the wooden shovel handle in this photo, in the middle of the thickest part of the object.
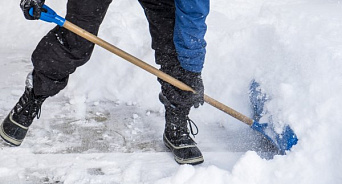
(98, 41)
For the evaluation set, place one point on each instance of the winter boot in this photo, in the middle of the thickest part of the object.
(15, 126)
(176, 135)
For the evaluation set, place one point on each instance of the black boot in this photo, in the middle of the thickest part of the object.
(14, 128)
(176, 135)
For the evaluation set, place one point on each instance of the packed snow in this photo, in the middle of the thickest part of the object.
(106, 126)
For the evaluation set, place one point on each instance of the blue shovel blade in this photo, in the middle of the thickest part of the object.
(283, 141)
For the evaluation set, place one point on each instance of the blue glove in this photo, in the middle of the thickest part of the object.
(26, 5)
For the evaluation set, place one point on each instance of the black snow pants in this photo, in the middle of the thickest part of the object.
(60, 52)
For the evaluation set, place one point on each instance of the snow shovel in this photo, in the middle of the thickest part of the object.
(283, 140)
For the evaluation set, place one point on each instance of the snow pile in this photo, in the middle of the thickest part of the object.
(293, 48)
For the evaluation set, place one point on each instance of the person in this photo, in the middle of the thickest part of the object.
(177, 29)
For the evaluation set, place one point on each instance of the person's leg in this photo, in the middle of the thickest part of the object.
(60, 52)
(161, 17)
(57, 55)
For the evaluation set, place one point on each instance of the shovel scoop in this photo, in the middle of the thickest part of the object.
(282, 140)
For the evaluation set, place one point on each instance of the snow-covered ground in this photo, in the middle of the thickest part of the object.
(106, 126)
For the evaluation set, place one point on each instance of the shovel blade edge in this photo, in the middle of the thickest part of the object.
(283, 141)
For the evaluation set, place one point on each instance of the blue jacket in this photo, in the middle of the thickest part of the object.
(190, 28)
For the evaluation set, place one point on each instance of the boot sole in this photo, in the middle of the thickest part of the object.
(12, 141)
(8, 139)
(191, 161)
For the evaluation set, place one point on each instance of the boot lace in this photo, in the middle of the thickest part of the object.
(28, 108)
(190, 123)
(184, 132)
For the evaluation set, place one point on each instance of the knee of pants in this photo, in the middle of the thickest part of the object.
(56, 58)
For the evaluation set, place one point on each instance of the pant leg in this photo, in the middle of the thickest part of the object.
(161, 18)
(60, 52)
(160, 15)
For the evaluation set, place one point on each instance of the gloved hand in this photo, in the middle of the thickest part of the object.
(26, 5)
(194, 80)
(180, 97)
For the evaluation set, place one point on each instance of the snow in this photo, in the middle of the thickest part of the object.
(106, 126)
